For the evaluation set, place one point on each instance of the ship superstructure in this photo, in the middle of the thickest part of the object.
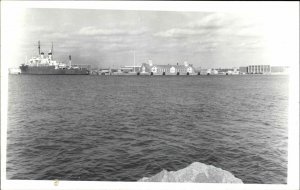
(45, 65)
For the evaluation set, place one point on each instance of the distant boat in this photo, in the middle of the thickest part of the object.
(42, 65)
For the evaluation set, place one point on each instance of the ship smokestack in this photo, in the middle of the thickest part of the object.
(70, 60)
(42, 55)
(50, 55)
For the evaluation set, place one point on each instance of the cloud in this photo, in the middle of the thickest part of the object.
(124, 24)
(217, 25)
(216, 33)
(94, 31)
(250, 31)
(256, 44)
(166, 36)
(56, 35)
(179, 32)
(211, 21)
(38, 29)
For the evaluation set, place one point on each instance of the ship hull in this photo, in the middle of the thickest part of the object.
(50, 70)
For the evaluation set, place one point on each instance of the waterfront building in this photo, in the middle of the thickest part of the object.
(205, 71)
(82, 66)
(94, 72)
(243, 70)
(264, 69)
(105, 71)
(177, 69)
(211, 72)
(128, 69)
(231, 71)
(214, 72)
(234, 71)
(279, 69)
(259, 69)
(223, 71)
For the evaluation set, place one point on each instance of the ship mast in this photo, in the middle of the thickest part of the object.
(52, 50)
(39, 46)
(133, 60)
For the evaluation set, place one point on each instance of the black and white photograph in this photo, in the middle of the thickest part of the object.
(139, 93)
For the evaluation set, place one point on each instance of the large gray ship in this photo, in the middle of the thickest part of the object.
(45, 65)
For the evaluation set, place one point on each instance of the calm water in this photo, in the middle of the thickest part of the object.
(123, 128)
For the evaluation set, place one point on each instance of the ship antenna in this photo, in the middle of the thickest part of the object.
(52, 50)
(39, 46)
(133, 60)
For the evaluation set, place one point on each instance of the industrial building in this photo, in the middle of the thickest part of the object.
(280, 69)
(185, 69)
(258, 69)
(243, 70)
(128, 69)
(264, 69)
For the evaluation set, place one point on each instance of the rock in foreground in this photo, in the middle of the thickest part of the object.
(196, 172)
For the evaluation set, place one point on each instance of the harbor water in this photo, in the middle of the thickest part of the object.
(123, 128)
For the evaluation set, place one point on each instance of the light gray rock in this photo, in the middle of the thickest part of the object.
(196, 172)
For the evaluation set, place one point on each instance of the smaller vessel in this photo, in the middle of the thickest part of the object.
(42, 65)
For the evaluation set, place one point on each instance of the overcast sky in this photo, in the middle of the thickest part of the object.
(107, 38)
